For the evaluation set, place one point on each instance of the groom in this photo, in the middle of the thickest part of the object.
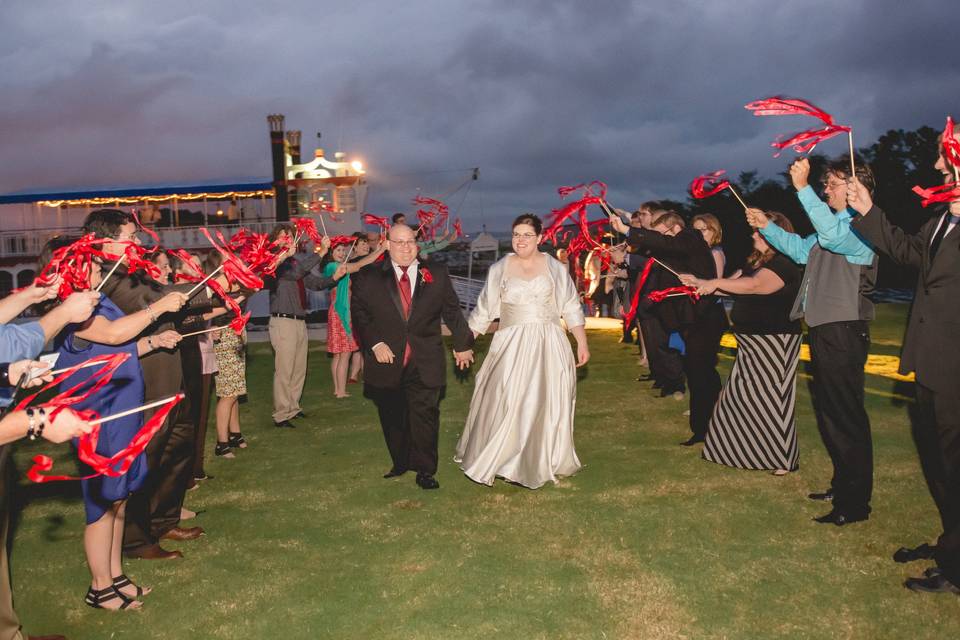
(396, 307)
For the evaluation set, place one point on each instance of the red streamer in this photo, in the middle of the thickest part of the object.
(377, 221)
(233, 267)
(115, 465)
(951, 146)
(803, 141)
(709, 184)
(321, 207)
(307, 227)
(73, 264)
(236, 272)
(149, 232)
(458, 229)
(638, 285)
(184, 256)
(944, 193)
(659, 296)
(432, 214)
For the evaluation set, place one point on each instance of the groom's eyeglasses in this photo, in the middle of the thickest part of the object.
(404, 243)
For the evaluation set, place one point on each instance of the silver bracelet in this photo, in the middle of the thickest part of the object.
(31, 425)
(153, 316)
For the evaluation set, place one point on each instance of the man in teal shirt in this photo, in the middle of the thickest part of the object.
(840, 272)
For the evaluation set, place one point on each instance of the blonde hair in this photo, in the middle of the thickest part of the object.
(710, 221)
(670, 219)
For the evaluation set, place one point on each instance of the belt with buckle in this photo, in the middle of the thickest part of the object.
(288, 315)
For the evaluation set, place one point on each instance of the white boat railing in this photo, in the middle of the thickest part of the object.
(468, 290)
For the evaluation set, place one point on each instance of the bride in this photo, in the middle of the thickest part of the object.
(520, 425)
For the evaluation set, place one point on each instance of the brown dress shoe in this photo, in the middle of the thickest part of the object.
(152, 552)
(183, 533)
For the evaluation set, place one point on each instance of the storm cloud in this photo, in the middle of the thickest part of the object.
(641, 95)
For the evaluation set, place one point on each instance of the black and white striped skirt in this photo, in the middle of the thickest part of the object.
(753, 424)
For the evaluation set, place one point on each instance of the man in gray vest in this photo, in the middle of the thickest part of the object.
(841, 270)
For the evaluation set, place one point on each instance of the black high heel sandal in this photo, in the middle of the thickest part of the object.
(121, 581)
(95, 598)
(236, 441)
(222, 450)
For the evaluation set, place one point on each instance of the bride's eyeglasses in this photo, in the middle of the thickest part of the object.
(524, 236)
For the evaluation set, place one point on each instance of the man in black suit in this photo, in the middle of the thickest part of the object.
(396, 307)
(701, 323)
(929, 349)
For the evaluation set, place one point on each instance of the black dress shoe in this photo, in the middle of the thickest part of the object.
(826, 496)
(922, 552)
(284, 424)
(645, 378)
(932, 584)
(393, 473)
(692, 441)
(839, 518)
(933, 572)
(425, 481)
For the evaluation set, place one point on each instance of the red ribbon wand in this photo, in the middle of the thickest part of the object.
(804, 141)
(710, 184)
(117, 464)
(944, 193)
(432, 214)
(659, 296)
(72, 263)
(951, 148)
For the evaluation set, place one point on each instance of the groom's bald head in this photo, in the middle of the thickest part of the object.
(403, 244)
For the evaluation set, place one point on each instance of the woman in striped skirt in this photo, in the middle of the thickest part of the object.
(753, 424)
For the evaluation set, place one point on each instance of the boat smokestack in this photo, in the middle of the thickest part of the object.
(277, 148)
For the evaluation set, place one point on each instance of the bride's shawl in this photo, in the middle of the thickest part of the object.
(564, 292)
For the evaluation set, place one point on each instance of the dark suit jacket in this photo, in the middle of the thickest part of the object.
(377, 316)
(686, 252)
(929, 343)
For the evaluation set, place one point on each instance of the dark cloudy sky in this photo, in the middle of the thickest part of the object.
(537, 93)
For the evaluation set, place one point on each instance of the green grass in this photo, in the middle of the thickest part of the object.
(305, 540)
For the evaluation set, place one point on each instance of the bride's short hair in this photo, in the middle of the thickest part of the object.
(530, 219)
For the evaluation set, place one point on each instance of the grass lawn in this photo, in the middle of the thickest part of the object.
(306, 540)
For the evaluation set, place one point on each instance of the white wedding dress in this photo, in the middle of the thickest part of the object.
(520, 425)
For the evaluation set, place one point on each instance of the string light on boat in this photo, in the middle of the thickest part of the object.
(101, 202)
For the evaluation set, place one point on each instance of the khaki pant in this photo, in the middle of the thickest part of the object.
(289, 340)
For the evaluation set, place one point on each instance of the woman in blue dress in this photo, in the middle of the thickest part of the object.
(107, 332)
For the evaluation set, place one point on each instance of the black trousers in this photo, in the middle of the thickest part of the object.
(666, 364)
(838, 351)
(702, 340)
(936, 432)
(410, 419)
(155, 508)
(176, 470)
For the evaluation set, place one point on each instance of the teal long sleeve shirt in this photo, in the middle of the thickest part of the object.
(833, 232)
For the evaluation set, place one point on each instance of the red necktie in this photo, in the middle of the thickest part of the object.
(405, 299)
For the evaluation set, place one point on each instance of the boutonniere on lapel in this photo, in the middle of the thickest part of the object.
(426, 275)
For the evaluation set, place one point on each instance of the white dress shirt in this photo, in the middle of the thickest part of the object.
(949, 219)
(398, 273)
